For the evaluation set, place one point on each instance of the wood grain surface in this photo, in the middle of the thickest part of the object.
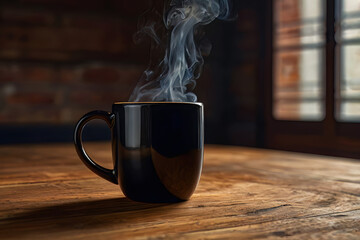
(47, 193)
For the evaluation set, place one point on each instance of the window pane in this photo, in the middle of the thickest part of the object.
(350, 19)
(349, 96)
(298, 60)
(348, 93)
(350, 6)
(298, 89)
(298, 22)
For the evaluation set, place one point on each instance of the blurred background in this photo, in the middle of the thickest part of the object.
(284, 75)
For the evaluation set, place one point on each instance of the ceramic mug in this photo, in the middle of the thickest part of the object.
(157, 149)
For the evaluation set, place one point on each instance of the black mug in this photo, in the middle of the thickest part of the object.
(157, 149)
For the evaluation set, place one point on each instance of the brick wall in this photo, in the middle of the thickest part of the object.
(60, 59)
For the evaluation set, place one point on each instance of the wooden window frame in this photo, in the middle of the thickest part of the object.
(329, 136)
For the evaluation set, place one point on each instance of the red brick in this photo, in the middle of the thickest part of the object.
(123, 7)
(96, 40)
(101, 75)
(31, 55)
(126, 7)
(20, 39)
(31, 98)
(19, 73)
(67, 4)
(86, 21)
(125, 77)
(71, 32)
(64, 39)
(69, 44)
(39, 74)
(26, 115)
(16, 16)
(67, 75)
(130, 75)
(9, 73)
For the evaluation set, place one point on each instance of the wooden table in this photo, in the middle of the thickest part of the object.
(47, 193)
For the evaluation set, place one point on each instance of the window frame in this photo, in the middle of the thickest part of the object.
(328, 136)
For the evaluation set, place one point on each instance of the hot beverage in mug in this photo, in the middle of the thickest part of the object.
(157, 149)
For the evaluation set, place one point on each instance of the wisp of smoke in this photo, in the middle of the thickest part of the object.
(173, 79)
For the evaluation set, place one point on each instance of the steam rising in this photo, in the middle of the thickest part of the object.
(173, 79)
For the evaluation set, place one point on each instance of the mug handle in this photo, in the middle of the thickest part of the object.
(109, 118)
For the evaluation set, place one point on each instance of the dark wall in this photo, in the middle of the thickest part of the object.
(61, 59)
(237, 65)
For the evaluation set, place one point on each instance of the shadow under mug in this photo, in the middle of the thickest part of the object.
(157, 149)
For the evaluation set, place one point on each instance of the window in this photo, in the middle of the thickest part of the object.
(314, 93)
(299, 60)
(348, 41)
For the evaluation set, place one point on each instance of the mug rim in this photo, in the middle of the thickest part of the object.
(141, 103)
